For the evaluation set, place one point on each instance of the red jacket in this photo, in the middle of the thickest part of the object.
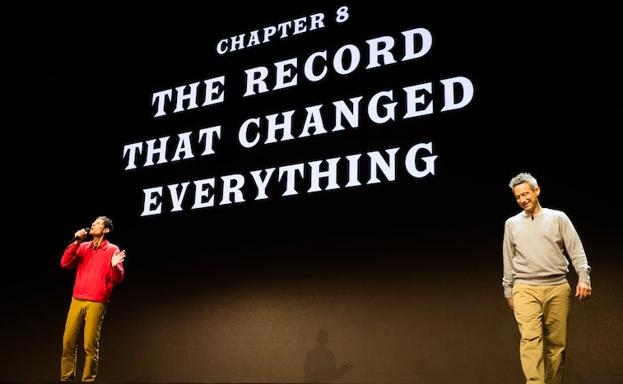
(95, 276)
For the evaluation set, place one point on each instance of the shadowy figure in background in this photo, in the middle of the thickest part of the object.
(320, 366)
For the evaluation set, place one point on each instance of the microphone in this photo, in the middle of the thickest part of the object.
(87, 229)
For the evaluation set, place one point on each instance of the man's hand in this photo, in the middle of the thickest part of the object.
(80, 235)
(117, 258)
(583, 290)
(509, 301)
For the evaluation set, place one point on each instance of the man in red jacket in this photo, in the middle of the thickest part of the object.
(99, 267)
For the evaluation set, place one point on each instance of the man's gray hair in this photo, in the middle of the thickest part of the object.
(523, 177)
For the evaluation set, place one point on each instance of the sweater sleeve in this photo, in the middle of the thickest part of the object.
(71, 256)
(507, 257)
(574, 248)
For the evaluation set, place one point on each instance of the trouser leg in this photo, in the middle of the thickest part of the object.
(73, 324)
(92, 327)
(529, 316)
(556, 315)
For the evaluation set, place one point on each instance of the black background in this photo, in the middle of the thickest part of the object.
(404, 275)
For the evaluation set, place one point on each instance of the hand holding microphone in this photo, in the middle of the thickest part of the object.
(81, 234)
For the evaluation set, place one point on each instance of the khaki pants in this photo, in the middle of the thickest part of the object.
(92, 314)
(542, 313)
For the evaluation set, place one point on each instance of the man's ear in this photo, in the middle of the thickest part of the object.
(106, 230)
(537, 190)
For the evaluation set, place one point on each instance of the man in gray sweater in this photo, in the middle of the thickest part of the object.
(535, 284)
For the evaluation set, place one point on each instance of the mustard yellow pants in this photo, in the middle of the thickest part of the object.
(542, 313)
(91, 314)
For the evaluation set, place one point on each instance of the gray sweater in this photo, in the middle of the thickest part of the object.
(534, 250)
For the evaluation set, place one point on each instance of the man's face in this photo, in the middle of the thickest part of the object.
(98, 228)
(526, 197)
